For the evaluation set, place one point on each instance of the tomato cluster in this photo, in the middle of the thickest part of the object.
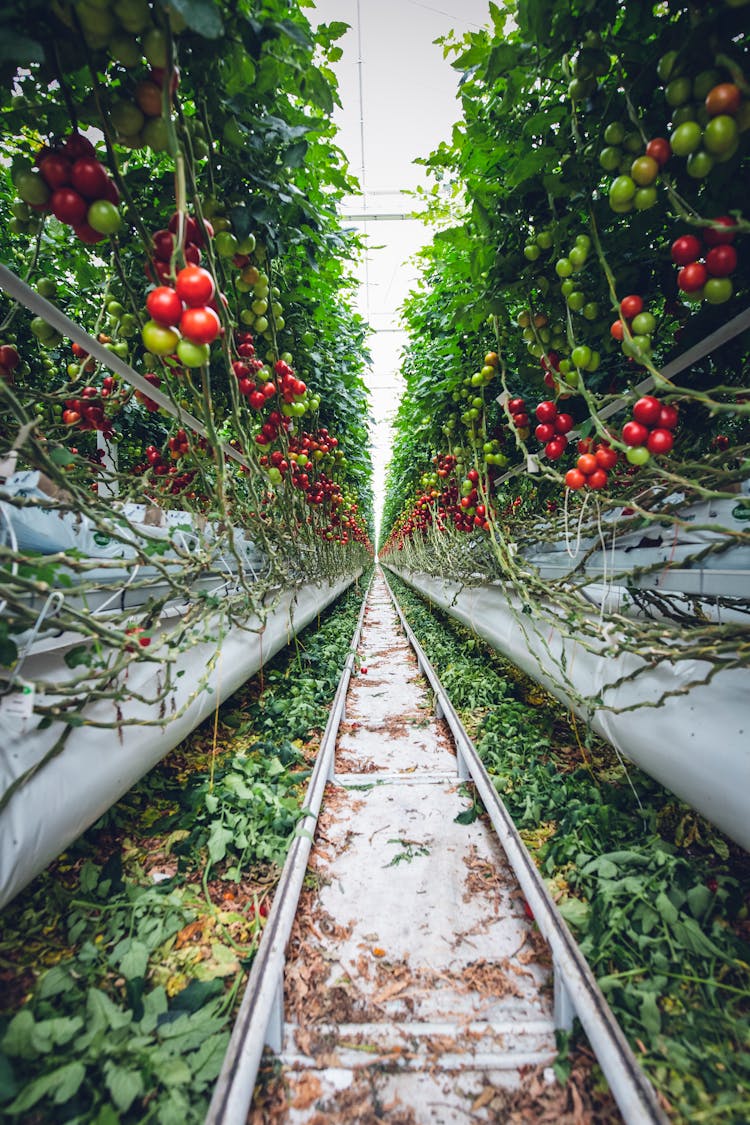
(87, 411)
(650, 431)
(72, 184)
(552, 429)
(706, 264)
(184, 320)
(592, 467)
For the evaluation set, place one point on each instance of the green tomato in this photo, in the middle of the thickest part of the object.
(633, 143)
(31, 187)
(686, 138)
(563, 267)
(576, 300)
(699, 164)
(46, 287)
(125, 50)
(704, 82)
(666, 66)
(678, 91)
(581, 355)
(609, 158)
(614, 134)
(193, 355)
(590, 310)
(567, 287)
(721, 134)
(644, 324)
(687, 112)
(544, 239)
(156, 135)
(637, 454)
(225, 244)
(261, 324)
(577, 257)
(717, 290)
(155, 47)
(104, 217)
(644, 198)
(593, 364)
(157, 339)
(127, 118)
(246, 245)
(531, 251)
(622, 191)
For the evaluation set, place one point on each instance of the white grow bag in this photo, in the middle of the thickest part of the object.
(697, 745)
(96, 767)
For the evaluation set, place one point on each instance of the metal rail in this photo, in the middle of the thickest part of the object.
(576, 992)
(260, 1019)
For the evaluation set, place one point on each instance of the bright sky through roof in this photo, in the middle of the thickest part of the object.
(399, 102)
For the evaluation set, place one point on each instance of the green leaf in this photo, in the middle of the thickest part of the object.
(78, 656)
(217, 842)
(294, 157)
(17, 1040)
(124, 1085)
(8, 1081)
(468, 816)
(54, 982)
(134, 961)
(666, 908)
(20, 49)
(103, 1013)
(201, 16)
(64, 1082)
(650, 1014)
(574, 912)
(699, 900)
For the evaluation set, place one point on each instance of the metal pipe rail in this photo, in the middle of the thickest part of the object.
(576, 992)
(261, 1016)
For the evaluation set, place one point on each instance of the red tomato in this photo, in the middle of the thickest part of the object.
(660, 150)
(195, 286)
(606, 457)
(721, 261)
(193, 254)
(521, 421)
(660, 441)
(87, 234)
(68, 206)
(714, 237)
(668, 417)
(616, 330)
(564, 423)
(724, 98)
(55, 169)
(647, 410)
(633, 433)
(546, 411)
(90, 178)
(164, 306)
(544, 432)
(554, 449)
(631, 306)
(200, 325)
(686, 249)
(574, 479)
(516, 406)
(77, 145)
(692, 277)
(163, 243)
(598, 479)
(586, 463)
(9, 357)
(193, 232)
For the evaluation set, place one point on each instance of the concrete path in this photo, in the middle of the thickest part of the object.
(414, 983)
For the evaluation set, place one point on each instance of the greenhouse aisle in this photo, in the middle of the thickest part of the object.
(415, 985)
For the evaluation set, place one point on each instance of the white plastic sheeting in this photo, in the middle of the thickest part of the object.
(97, 766)
(697, 744)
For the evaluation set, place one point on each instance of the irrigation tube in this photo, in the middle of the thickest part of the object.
(260, 1018)
(96, 767)
(697, 744)
(575, 984)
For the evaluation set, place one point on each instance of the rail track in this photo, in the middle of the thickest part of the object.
(400, 977)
